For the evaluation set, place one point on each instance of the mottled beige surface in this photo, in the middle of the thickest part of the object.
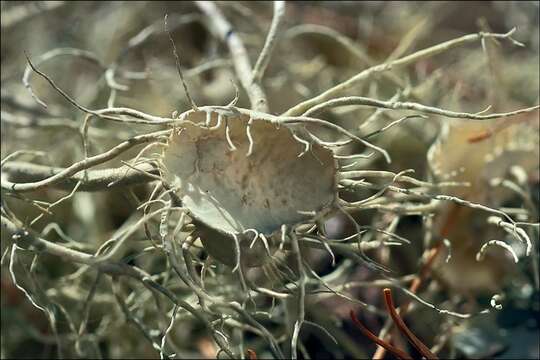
(233, 192)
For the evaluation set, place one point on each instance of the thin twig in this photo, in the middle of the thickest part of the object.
(404, 61)
(242, 64)
(271, 39)
(301, 294)
(177, 61)
(397, 105)
(92, 180)
(84, 164)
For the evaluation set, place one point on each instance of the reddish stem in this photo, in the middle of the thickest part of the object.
(479, 137)
(422, 349)
(400, 354)
(251, 354)
(430, 256)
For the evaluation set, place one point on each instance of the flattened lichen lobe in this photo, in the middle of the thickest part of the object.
(262, 191)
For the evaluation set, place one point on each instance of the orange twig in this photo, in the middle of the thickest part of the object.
(499, 127)
(479, 137)
(400, 354)
(415, 285)
(422, 349)
(431, 255)
(251, 354)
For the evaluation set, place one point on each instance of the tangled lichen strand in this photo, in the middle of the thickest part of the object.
(259, 183)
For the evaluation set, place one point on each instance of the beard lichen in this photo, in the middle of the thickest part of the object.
(243, 176)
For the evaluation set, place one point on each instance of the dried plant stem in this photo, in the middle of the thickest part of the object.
(481, 253)
(382, 174)
(353, 47)
(30, 238)
(242, 64)
(130, 317)
(178, 69)
(84, 164)
(404, 61)
(430, 255)
(83, 54)
(301, 297)
(396, 105)
(92, 180)
(271, 39)
(423, 349)
(400, 354)
(303, 119)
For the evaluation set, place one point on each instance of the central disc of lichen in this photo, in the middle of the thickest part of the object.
(230, 191)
